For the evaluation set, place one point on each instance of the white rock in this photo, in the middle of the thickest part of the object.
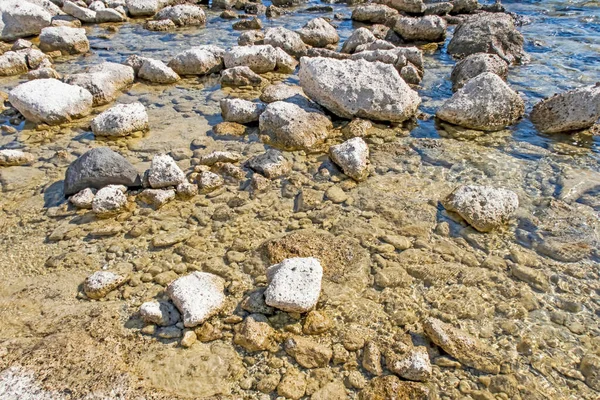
(9, 158)
(109, 200)
(50, 101)
(294, 284)
(284, 63)
(156, 71)
(319, 33)
(83, 199)
(288, 40)
(201, 60)
(96, 5)
(280, 92)
(161, 313)
(209, 181)
(477, 64)
(568, 111)
(241, 76)
(100, 283)
(483, 207)
(260, 59)
(198, 296)
(81, 13)
(353, 157)
(43, 73)
(373, 13)
(358, 88)
(104, 81)
(187, 190)
(66, 39)
(183, 15)
(110, 15)
(121, 120)
(241, 111)
(142, 8)
(20, 18)
(164, 172)
(12, 63)
(271, 164)
(157, 197)
(408, 6)
(430, 28)
(413, 365)
(359, 37)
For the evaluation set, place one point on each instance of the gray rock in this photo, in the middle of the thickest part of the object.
(97, 168)
(81, 13)
(430, 28)
(287, 3)
(294, 284)
(319, 33)
(200, 60)
(569, 111)
(408, 6)
(83, 199)
(358, 88)
(241, 111)
(50, 101)
(359, 37)
(164, 172)
(291, 127)
(65, 39)
(483, 207)
(476, 64)
(198, 296)
(109, 200)
(353, 157)
(101, 283)
(161, 313)
(373, 13)
(493, 33)
(12, 63)
(485, 103)
(104, 81)
(121, 120)
(156, 71)
(464, 6)
(271, 164)
(251, 38)
(284, 63)
(247, 24)
(183, 15)
(288, 40)
(241, 76)
(22, 19)
(259, 59)
(438, 8)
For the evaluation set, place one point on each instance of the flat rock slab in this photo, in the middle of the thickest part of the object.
(198, 296)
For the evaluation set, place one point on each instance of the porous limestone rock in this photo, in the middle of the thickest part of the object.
(294, 284)
(121, 120)
(198, 296)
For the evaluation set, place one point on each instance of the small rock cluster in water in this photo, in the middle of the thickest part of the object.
(302, 246)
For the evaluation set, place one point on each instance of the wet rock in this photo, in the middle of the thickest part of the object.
(97, 168)
(229, 14)
(430, 28)
(156, 71)
(65, 39)
(371, 360)
(164, 172)
(280, 92)
(373, 13)
(9, 158)
(483, 207)
(198, 296)
(100, 283)
(22, 19)
(359, 37)
(568, 111)
(464, 6)
(438, 8)
(81, 13)
(251, 38)
(121, 120)
(477, 64)
(200, 60)
(291, 127)
(104, 81)
(294, 284)
(188, 339)
(319, 33)
(166, 240)
(336, 194)
(109, 200)
(274, 11)
(157, 197)
(590, 368)
(292, 385)
(287, 3)
(169, 332)
(353, 157)
(485, 103)
(241, 111)
(209, 181)
(43, 73)
(186, 190)
(245, 24)
(12, 63)
(493, 33)
(534, 277)
(83, 199)
(162, 25)
(393, 277)
(462, 346)
(307, 352)
(50, 101)
(255, 334)
(218, 156)
(260, 59)
(288, 40)
(358, 88)
(391, 387)
(161, 313)
(183, 15)
(271, 164)
(240, 76)
(413, 365)
(331, 391)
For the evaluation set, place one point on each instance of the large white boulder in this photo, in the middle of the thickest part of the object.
(358, 88)
(105, 81)
(121, 120)
(200, 60)
(66, 39)
(294, 284)
(198, 296)
(20, 18)
(51, 101)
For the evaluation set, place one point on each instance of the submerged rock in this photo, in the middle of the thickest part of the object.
(198, 296)
(485, 103)
(493, 33)
(477, 64)
(109, 200)
(50, 101)
(294, 284)
(255, 334)
(200, 60)
(569, 111)
(97, 168)
(104, 81)
(121, 120)
(22, 19)
(161, 313)
(164, 172)
(358, 88)
(307, 352)
(483, 207)
(353, 157)
(65, 39)
(391, 387)
(271, 164)
(414, 364)
(157, 197)
(241, 76)
(100, 283)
